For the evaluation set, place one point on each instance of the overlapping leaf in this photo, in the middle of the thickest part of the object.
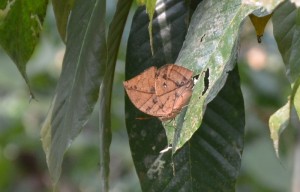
(259, 24)
(295, 96)
(213, 153)
(20, 26)
(150, 9)
(278, 122)
(78, 87)
(62, 10)
(210, 46)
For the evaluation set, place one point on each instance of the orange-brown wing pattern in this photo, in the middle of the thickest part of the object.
(180, 98)
(171, 77)
(144, 82)
(161, 93)
(141, 91)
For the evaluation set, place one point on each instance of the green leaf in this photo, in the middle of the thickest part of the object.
(113, 42)
(213, 154)
(150, 6)
(20, 25)
(295, 96)
(283, 124)
(150, 9)
(210, 46)
(278, 122)
(286, 24)
(78, 87)
(268, 5)
(62, 10)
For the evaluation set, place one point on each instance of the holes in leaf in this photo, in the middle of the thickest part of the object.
(206, 81)
(195, 79)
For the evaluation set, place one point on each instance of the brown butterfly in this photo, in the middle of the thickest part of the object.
(161, 92)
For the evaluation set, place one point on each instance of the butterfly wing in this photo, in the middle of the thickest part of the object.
(171, 77)
(161, 93)
(141, 92)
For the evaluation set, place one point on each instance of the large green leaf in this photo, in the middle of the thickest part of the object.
(20, 26)
(210, 160)
(113, 42)
(62, 10)
(78, 87)
(286, 22)
(146, 134)
(210, 47)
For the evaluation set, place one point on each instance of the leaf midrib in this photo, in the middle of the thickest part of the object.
(77, 72)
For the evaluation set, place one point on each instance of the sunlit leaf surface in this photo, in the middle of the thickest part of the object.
(210, 46)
